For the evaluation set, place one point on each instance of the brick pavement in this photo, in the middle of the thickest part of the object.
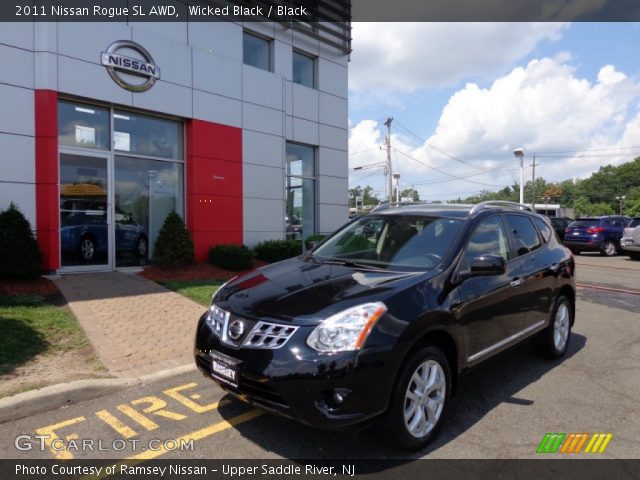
(135, 325)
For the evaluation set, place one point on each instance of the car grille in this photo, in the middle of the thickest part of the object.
(263, 335)
(269, 335)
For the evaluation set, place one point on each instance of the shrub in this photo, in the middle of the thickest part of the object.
(231, 257)
(173, 247)
(276, 250)
(20, 256)
(314, 239)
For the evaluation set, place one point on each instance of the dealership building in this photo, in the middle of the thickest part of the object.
(106, 128)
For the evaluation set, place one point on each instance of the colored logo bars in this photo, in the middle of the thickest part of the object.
(573, 442)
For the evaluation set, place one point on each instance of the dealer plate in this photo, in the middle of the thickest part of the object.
(224, 368)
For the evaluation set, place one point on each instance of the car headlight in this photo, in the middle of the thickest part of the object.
(347, 330)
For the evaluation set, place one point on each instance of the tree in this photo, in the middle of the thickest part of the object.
(173, 247)
(366, 193)
(410, 193)
(20, 256)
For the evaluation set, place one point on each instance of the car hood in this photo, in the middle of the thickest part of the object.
(306, 292)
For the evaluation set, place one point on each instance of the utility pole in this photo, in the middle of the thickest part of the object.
(533, 183)
(389, 169)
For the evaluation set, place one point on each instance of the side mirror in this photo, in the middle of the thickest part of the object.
(487, 265)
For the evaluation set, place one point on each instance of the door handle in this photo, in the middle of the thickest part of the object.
(516, 282)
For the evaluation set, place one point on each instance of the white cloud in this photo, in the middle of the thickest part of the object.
(542, 107)
(412, 56)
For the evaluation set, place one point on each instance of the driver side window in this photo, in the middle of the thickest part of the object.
(489, 238)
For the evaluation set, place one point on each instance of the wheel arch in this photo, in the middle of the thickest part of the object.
(442, 339)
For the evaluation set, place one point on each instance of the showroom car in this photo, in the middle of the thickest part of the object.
(377, 322)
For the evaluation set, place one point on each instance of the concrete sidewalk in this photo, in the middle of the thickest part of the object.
(136, 326)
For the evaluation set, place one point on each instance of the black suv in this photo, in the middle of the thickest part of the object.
(381, 318)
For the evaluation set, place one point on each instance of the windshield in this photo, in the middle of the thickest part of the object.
(394, 242)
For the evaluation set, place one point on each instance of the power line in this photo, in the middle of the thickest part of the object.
(442, 171)
(425, 142)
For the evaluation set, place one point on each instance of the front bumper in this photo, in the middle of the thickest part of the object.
(299, 383)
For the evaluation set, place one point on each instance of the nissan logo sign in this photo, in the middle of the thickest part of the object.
(117, 64)
(236, 329)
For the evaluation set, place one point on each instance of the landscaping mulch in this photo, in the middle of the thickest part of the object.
(200, 271)
(40, 286)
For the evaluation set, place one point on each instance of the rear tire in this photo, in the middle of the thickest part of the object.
(420, 399)
(553, 341)
(609, 249)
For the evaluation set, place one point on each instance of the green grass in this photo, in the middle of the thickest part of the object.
(34, 324)
(197, 290)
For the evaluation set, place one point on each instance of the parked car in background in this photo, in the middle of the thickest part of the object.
(630, 241)
(596, 234)
(378, 321)
(560, 224)
(84, 233)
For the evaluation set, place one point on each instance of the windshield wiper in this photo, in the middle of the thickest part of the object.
(352, 264)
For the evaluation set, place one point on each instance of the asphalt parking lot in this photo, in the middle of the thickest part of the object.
(502, 409)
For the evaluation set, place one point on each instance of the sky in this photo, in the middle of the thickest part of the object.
(463, 96)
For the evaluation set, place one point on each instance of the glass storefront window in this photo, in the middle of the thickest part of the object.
(81, 125)
(146, 191)
(300, 191)
(145, 135)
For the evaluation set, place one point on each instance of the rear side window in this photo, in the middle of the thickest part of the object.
(524, 233)
(545, 229)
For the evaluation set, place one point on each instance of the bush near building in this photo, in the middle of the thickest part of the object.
(20, 256)
(310, 240)
(231, 257)
(276, 250)
(173, 247)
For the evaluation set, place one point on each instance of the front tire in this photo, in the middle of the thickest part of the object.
(141, 247)
(87, 249)
(609, 249)
(553, 341)
(420, 399)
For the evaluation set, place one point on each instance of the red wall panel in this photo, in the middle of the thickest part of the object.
(214, 185)
(47, 218)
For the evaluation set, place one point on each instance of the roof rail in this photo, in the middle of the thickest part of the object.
(384, 206)
(500, 203)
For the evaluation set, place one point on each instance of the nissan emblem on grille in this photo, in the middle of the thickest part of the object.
(236, 329)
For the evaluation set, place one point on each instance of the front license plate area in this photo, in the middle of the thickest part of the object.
(224, 368)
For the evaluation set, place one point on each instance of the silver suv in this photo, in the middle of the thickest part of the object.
(630, 241)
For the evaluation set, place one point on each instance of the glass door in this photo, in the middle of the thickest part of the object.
(85, 217)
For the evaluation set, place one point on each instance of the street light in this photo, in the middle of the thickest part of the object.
(519, 153)
(621, 199)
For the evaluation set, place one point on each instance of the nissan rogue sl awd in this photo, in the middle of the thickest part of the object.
(379, 320)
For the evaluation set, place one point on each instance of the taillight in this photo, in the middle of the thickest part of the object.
(595, 229)
(566, 230)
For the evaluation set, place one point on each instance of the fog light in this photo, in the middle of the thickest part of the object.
(337, 398)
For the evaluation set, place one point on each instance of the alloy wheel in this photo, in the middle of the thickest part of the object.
(87, 248)
(424, 399)
(561, 327)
